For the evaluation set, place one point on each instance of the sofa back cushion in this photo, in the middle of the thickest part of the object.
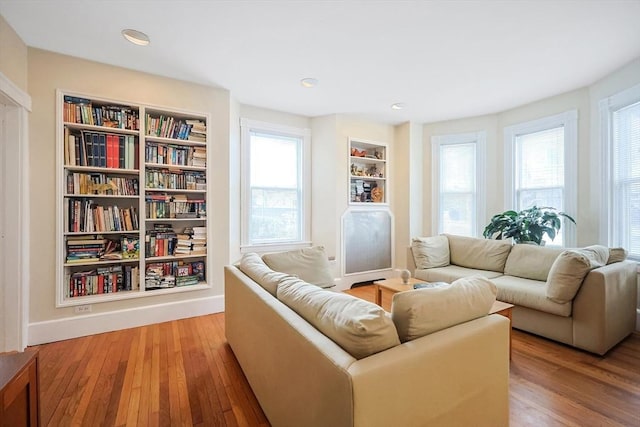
(616, 255)
(252, 265)
(430, 252)
(569, 270)
(309, 264)
(481, 254)
(424, 311)
(531, 261)
(360, 327)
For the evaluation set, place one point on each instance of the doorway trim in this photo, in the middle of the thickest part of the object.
(14, 241)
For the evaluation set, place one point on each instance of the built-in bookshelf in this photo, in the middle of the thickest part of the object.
(368, 169)
(132, 199)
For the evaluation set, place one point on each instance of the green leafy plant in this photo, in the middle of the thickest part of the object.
(528, 225)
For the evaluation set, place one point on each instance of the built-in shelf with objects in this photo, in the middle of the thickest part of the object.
(368, 172)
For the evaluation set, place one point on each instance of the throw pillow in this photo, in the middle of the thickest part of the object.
(309, 264)
(424, 311)
(569, 270)
(252, 265)
(360, 327)
(481, 254)
(430, 252)
(616, 255)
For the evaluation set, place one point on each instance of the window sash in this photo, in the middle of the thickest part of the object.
(275, 199)
(622, 144)
(458, 183)
(523, 191)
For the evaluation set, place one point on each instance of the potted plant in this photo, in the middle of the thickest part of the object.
(528, 225)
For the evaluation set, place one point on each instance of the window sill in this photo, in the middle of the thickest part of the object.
(274, 247)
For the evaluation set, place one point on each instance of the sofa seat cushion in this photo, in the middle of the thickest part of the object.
(309, 264)
(360, 327)
(480, 254)
(424, 311)
(430, 252)
(531, 261)
(451, 273)
(570, 269)
(529, 293)
(252, 265)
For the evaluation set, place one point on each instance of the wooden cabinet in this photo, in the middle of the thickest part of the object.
(19, 389)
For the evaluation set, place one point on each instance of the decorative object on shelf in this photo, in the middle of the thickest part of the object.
(405, 275)
(528, 225)
(377, 195)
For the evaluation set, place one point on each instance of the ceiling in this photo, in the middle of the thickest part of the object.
(442, 59)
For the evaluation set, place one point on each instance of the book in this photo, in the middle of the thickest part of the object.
(130, 247)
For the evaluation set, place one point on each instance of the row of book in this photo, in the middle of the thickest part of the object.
(170, 127)
(167, 154)
(101, 184)
(81, 110)
(175, 273)
(158, 206)
(104, 280)
(88, 217)
(98, 149)
(176, 180)
(82, 249)
(164, 241)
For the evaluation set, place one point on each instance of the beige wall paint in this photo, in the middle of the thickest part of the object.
(48, 72)
(13, 55)
(272, 116)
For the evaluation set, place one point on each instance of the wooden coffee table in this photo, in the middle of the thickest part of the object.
(395, 285)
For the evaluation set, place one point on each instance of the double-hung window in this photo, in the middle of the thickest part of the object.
(275, 186)
(458, 183)
(540, 168)
(620, 122)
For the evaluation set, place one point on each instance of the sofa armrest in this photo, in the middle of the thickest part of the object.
(411, 262)
(604, 309)
(298, 375)
(457, 376)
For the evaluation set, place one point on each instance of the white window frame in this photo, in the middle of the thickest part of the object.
(480, 139)
(246, 127)
(568, 120)
(607, 107)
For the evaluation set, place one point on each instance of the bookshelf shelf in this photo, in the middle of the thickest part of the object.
(104, 146)
(368, 172)
(102, 170)
(173, 141)
(176, 167)
(80, 126)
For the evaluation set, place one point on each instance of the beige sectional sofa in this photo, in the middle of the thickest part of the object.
(582, 297)
(314, 357)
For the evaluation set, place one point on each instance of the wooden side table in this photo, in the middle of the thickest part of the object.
(503, 309)
(19, 402)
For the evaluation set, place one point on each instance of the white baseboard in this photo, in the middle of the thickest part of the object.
(83, 325)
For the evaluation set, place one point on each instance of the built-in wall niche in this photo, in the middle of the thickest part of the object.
(368, 172)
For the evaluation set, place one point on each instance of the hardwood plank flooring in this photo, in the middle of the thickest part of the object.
(184, 373)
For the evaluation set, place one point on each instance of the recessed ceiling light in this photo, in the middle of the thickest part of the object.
(397, 106)
(309, 82)
(136, 37)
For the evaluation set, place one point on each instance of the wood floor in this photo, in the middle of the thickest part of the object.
(183, 373)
